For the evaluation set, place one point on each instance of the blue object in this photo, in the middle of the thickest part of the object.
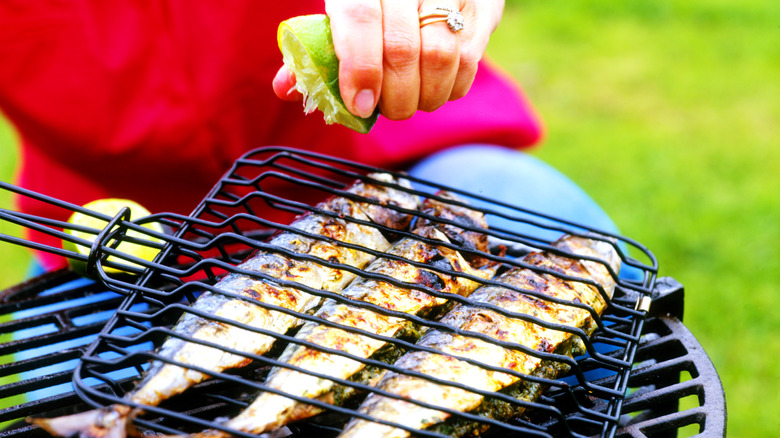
(518, 179)
(515, 178)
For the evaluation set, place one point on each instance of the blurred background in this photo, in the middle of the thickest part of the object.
(668, 114)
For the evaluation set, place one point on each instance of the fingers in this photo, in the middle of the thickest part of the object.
(469, 53)
(284, 85)
(401, 59)
(481, 19)
(356, 26)
(388, 57)
(439, 55)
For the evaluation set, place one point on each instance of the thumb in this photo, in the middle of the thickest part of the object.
(284, 85)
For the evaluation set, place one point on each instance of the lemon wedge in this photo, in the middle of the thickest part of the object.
(307, 50)
(110, 207)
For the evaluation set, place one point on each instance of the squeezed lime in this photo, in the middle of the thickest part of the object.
(307, 50)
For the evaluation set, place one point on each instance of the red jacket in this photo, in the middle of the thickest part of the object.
(153, 100)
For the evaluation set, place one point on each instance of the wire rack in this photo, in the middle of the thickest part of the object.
(259, 197)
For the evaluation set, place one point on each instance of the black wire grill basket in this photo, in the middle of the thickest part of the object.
(258, 198)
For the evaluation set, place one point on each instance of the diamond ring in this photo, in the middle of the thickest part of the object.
(454, 19)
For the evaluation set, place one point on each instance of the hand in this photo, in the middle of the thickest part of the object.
(387, 59)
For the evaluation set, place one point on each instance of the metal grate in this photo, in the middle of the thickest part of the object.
(262, 193)
(667, 350)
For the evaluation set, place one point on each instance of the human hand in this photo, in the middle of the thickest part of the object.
(387, 59)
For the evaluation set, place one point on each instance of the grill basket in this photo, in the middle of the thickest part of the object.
(125, 318)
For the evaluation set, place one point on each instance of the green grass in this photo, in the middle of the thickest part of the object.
(668, 114)
(14, 261)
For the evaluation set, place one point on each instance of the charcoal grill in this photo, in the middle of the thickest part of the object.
(71, 344)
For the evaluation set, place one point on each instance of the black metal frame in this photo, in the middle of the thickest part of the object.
(233, 220)
(666, 351)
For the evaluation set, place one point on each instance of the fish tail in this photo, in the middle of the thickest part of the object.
(108, 422)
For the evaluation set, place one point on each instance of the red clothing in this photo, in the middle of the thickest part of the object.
(153, 100)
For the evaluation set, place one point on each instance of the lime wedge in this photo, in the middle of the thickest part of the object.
(307, 50)
(110, 207)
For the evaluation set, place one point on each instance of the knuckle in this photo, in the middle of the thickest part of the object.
(400, 50)
(439, 54)
(362, 12)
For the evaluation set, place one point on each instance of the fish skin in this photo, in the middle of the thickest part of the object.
(164, 380)
(523, 390)
(480, 320)
(270, 411)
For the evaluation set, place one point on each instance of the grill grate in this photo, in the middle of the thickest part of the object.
(261, 193)
(666, 350)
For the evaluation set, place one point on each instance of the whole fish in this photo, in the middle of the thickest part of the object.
(477, 319)
(271, 410)
(164, 380)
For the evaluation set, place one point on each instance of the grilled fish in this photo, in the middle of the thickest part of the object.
(523, 390)
(477, 319)
(271, 410)
(164, 380)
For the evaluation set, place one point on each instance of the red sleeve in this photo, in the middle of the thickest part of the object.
(153, 100)
(150, 101)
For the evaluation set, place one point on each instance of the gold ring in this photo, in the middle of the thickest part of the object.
(454, 19)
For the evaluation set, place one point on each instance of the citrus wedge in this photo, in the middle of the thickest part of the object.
(307, 50)
(110, 207)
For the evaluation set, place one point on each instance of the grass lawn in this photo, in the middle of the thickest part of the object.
(14, 260)
(668, 113)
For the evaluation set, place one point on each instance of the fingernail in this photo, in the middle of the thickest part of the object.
(364, 103)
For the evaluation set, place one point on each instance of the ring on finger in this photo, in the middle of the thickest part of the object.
(453, 18)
